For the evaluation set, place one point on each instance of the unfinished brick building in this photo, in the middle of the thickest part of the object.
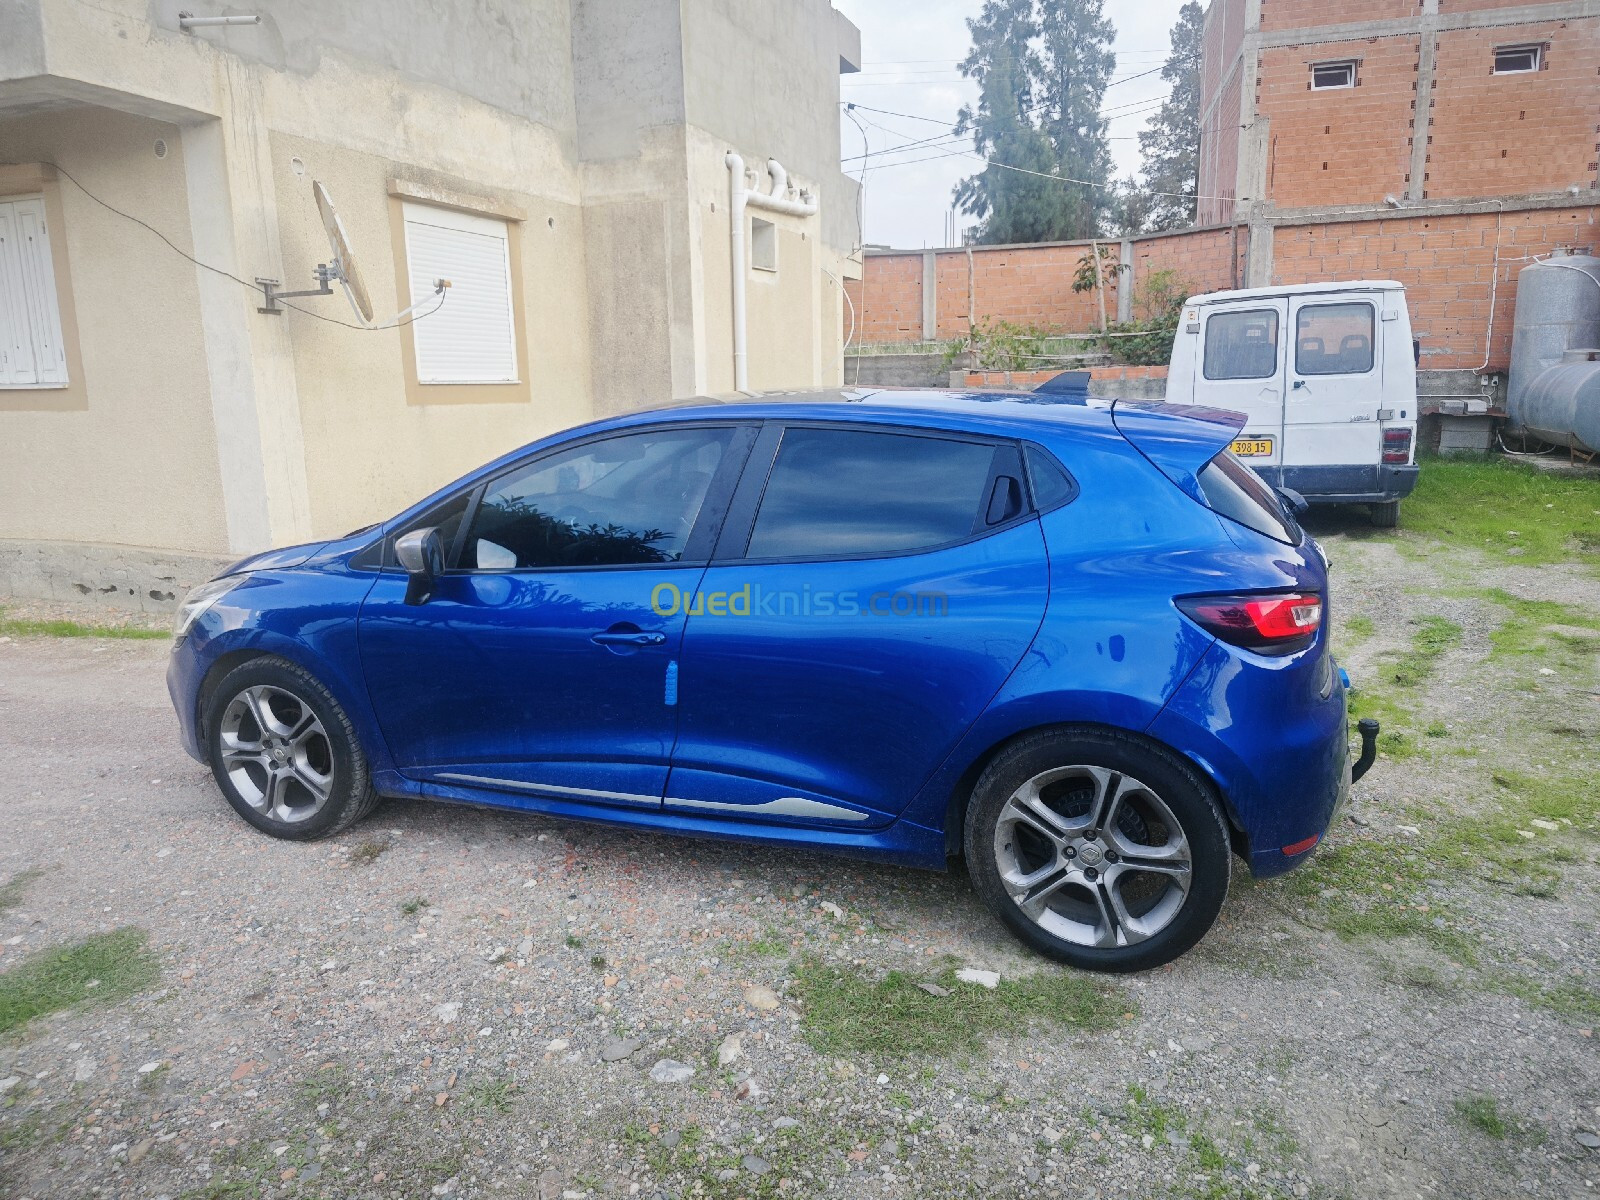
(1442, 143)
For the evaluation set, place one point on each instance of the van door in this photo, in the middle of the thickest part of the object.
(1242, 369)
(1335, 392)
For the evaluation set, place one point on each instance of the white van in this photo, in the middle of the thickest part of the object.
(1326, 374)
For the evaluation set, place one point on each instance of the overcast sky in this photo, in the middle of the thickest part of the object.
(909, 53)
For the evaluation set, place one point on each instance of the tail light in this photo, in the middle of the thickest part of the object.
(1397, 446)
(1280, 624)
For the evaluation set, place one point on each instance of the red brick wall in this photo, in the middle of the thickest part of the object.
(1495, 135)
(1447, 265)
(1339, 145)
(1299, 14)
(1219, 102)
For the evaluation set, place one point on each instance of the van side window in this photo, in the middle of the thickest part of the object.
(1242, 345)
(1334, 339)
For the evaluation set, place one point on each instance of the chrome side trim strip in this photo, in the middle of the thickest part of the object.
(518, 785)
(788, 806)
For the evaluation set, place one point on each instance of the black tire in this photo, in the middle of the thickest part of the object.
(1386, 515)
(326, 756)
(1148, 781)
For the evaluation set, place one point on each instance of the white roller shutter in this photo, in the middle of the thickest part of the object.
(472, 337)
(31, 351)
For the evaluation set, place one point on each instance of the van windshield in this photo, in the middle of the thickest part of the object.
(1234, 491)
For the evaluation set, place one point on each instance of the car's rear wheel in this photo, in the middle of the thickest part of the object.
(1098, 849)
(284, 753)
(1386, 515)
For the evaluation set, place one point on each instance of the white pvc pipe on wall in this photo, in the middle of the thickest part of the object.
(740, 198)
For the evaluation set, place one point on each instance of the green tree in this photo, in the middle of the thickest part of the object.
(1171, 143)
(1042, 68)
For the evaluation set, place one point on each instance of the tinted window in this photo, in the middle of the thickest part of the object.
(839, 492)
(626, 500)
(1334, 339)
(1236, 492)
(1242, 345)
(1051, 485)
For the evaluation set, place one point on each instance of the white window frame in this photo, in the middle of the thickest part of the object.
(422, 278)
(763, 245)
(1534, 49)
(30, 310)
(1353, 65)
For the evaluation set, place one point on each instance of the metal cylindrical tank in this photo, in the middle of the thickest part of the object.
(1562, 406)
(1558, 309)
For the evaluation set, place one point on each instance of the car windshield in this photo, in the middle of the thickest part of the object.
(1235, 491)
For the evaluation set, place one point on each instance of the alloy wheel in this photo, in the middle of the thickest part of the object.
(276, 754)
(1093, 856)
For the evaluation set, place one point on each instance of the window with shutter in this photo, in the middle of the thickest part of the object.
(472, 336)
(32, 354)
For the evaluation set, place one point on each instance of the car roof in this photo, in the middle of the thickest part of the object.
(1300, 289)
(974, 411)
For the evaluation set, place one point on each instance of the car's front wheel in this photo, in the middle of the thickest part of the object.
(284, 753)
(1098, 849)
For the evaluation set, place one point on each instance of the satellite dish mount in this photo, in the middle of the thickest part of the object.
(341, 269)
(270, 288)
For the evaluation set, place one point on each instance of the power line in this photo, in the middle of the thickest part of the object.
(254, 287)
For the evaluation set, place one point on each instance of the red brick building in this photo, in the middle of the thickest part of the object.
(1442, 143)
(1309, 104)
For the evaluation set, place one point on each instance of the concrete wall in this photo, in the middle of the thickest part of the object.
(597, 128)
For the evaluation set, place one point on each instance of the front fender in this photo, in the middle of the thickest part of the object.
(307, 616)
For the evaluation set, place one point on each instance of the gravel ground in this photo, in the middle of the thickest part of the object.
(319, 1031)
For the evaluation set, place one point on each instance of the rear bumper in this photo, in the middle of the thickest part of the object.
(1347, 484)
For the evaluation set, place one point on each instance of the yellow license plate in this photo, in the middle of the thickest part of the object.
(1253, 447)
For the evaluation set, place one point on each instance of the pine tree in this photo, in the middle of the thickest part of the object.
(1042, 68)
(1171, 143)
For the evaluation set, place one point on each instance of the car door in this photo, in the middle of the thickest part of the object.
(539, 666)
(1331, 415)
(1242, 369)
(871, 593)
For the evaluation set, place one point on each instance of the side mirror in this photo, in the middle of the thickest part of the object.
(421, 554)
(1297, 503)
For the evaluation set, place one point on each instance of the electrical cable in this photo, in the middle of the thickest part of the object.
(254, 287)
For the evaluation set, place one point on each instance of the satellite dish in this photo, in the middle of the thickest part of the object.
(343, 256)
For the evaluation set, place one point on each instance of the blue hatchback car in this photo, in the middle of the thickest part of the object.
(1079, 645)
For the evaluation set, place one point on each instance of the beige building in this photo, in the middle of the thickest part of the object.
(572, 166)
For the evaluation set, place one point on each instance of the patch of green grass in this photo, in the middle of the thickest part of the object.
(1483, 1114)
(771, 944)
(491, 1095)
(326, 1084)
(574, 942)
(1507, 509)
(1142, 1115)
(598, 962)
(414, 905)
(18, 627)
(1432, 638)
(1562, 636)
(1206, 1153)
(846, 1013)
(1513, 842)
(102, 969)
(1568, 999)
(11, 893)
(1357, 629)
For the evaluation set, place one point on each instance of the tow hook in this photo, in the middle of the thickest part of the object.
(1368, 729)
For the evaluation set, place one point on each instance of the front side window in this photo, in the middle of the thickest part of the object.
(845, 493)
(624, 501)
(1517, 60)
(1333, 75)
(1242, 345)
(471, 336)
(32, 354)
(1334, 339)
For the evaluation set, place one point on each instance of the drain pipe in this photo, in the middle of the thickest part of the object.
(740, 197)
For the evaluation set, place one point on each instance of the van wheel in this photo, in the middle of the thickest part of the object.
(285, 754)
(1098, 849)
(1386, 515)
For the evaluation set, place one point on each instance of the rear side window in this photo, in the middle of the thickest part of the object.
(844, 493)
(1242, 345)
(1334, 339)
(1235, 491)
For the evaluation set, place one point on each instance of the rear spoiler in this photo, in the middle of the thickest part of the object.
(1180, 439)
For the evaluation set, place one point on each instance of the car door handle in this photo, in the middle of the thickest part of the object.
(629, 637)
